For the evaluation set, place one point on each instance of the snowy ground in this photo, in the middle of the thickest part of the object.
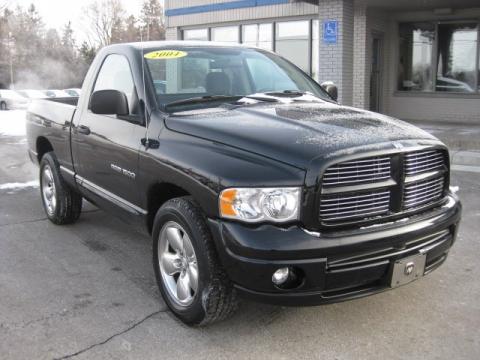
(12, 123)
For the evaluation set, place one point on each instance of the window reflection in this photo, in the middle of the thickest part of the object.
(457, 49)
(292, 42)
(455, 69)
(415, 62)
(226, 34)
(258, 35)
(195, 34)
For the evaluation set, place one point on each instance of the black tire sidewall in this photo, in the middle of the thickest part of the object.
(3, 106)
(195, 312)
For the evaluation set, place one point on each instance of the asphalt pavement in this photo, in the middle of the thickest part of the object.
(87, 291)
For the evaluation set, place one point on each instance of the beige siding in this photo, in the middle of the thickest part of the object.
(243, 14)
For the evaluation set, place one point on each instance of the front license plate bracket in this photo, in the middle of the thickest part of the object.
(407, 270)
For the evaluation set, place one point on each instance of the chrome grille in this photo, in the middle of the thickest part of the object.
(361, 190)
(344, 207)
(357, 172)
(418, 162)
(420, 193)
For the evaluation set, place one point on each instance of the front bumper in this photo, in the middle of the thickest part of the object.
(336, 266)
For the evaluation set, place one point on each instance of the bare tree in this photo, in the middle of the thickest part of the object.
(152, 20)
(4, 4)
(105, 21)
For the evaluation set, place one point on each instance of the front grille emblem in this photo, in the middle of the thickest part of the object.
(409, 268)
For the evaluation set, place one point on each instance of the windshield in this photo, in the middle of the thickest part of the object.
(191, 72)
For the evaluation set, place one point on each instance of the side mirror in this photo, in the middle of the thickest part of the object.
(331, 89)
(109, 102)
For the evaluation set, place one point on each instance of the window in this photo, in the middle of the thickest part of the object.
(416, 54)
(315, 49)
(292, 42)
(115, 74)
(258, 35)
(452, 68)
(195, 34)
(226, 34)
(456, 61)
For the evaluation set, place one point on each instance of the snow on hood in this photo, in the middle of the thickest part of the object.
(295, 133)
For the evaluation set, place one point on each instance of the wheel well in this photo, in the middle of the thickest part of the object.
(43, 146)
(158, 195)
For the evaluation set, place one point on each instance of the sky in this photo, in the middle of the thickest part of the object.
(56, 13)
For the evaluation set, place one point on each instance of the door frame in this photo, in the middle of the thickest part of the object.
(380, 36)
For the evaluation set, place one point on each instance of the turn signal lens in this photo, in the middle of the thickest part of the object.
(260, 204)
(226, 202)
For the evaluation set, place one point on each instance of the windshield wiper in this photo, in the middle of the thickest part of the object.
(204, 99)
(289, 93)
(215, 98)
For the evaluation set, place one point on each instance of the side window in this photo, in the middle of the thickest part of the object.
(115, 74)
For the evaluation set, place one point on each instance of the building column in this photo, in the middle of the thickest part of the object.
(172, 33)
(336, 60)
(361, 56)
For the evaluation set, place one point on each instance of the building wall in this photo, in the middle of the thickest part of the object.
(366, 22)
(348, 62)
(336, 60)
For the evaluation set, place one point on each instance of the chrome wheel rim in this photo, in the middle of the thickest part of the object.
(48, 190)
(178, 263)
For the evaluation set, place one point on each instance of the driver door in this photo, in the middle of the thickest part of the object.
(105, 147)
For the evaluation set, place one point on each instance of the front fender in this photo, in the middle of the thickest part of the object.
(203, 168)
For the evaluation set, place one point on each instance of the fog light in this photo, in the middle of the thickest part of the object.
(280, 276)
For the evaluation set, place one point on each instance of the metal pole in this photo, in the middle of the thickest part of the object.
(10, 44)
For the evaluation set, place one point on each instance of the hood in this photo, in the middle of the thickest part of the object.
(294, 133)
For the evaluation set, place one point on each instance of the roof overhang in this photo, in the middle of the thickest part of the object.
(409, 4)
(315, 2)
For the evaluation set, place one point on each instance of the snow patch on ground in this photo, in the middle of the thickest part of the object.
(454, 189)
(17, 185)
(12, 123)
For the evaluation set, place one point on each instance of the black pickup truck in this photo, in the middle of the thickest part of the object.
(247, 174)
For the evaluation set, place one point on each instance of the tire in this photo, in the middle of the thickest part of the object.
(3, 106)
(214, 297)
(61, 203)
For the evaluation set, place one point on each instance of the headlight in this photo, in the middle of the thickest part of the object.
(260, 204)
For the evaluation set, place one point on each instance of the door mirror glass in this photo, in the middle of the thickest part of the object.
(331, 89)
(109, 102)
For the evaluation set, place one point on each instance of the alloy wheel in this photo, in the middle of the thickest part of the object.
(178, 263)
(48, 190)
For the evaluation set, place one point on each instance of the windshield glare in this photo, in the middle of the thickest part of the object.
(190, 72)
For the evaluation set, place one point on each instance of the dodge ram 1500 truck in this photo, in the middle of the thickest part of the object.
(249, 176)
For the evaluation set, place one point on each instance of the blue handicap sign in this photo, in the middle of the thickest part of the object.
(330, 31)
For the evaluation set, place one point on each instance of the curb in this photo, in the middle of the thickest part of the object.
(467, 158)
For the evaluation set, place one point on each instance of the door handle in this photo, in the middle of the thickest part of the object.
(82, 129)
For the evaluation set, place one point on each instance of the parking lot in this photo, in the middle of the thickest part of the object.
(87, 291)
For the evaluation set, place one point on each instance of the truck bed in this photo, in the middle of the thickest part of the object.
(51, 119)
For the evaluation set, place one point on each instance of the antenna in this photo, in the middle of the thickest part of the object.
(146, 143)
